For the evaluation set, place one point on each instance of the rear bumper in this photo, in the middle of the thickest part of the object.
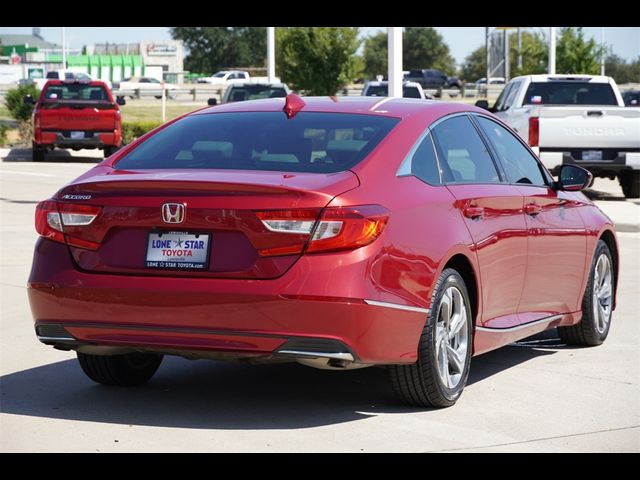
(620, 161)
(244, 318)
(90, 140)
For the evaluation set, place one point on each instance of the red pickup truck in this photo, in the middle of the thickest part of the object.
(76, 114)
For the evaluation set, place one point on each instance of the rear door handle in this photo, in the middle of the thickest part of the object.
(473, 212)
(532, 209)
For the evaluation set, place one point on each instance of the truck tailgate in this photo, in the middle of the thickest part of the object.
(589, 127)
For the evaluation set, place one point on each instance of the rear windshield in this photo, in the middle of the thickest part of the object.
(383, 91)
(309, 142)
(569, 93)
(255, 92)
(75, 91)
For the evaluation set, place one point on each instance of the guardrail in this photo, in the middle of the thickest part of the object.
(211, 92)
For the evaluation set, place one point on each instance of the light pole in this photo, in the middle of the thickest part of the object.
(271, 54)
(552, 50)
(394, 42)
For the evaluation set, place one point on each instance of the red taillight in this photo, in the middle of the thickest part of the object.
(36, 120)
(52, 218)
(534, 131)
(339, 228)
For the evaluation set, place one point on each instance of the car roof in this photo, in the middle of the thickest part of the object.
(377, 83)
(383, 106)
(94, 83)
(261, 84)
(547, 78)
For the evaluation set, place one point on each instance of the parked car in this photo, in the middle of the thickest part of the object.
(239, 92)
(66, 74)
(492, 81)
(334, 232)
(381, 89)
(433, 79)
(149, 84)
(631, 98)
(75, 114)
(576, 119)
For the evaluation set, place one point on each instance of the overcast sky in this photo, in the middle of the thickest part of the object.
(625, 41)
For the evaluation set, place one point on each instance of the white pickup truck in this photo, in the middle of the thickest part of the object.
(575, 119)
(226, 77)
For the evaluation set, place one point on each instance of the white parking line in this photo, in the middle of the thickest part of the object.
(31, 173)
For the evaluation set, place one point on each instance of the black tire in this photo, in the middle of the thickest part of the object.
(630, 183)
(420, 384)
(587, 332)
(37, 154)
(108, 151)
(126, 370)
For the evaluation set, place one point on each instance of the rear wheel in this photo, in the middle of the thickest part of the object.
(37, 154)
(121, 370)
(444, 352)
(108, 151)
(597, 303)
(630, 183)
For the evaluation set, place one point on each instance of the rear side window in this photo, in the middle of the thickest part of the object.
(424, 164)
(309, 142)
(410, 92)
(76, 91)
(519, 165)
(464, 157)
(569, 93)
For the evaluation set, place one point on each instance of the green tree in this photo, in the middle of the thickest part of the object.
(621, 70)
(424, 47)
(375, 55)
(535, 54)
(318, 60)
(575, 54)
(215, 48)
(14, 100)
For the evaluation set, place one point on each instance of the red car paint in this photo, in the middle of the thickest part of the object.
(372, 299)
(55, 118)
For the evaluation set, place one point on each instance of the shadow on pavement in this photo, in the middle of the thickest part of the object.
(215, 395)
(24, 155)
(599, 195)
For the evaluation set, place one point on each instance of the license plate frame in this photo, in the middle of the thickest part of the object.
(592, 155)
(155, 259)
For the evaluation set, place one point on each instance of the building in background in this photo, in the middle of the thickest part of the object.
(105, 61)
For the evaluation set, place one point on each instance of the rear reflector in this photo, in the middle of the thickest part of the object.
(339, 228)
(534, 131)
(52, 217)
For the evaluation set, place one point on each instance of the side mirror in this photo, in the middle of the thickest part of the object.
(573, 178)
(212, 101)
(483, 104)
(28, 100)
(121, 101)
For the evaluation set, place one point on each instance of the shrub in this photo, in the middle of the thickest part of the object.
(14, 100)
(133, 130)
(4, 129)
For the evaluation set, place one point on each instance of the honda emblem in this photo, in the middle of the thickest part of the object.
(173, 212)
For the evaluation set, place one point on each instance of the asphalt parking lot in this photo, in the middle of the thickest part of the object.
(537, 395)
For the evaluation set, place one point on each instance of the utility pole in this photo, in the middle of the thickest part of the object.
(602, 53)
(507, 62)
(64, 48)
(394, 43)
(271, 54)
(487, 58)
(552, 50)
(519, 48)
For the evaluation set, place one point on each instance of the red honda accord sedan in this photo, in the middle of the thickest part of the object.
(335, 232)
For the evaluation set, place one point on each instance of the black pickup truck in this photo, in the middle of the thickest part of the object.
(430, 78)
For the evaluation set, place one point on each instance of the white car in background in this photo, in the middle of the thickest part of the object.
(381, 89)
(145, 83)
